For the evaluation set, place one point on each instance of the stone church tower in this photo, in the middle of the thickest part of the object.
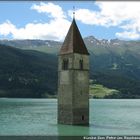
(73, 79)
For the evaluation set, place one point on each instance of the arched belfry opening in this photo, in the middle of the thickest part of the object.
(65, 64)
(73, 82)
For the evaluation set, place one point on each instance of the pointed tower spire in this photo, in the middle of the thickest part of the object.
(73, 42)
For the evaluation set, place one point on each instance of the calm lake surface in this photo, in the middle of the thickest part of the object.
(39, 117)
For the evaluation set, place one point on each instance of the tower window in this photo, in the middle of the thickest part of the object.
(83, 118)
(65, 64)
(81, 64)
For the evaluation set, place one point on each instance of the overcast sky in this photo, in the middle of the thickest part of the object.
(51, 20)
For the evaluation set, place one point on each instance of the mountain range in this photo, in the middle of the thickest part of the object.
(28, 68)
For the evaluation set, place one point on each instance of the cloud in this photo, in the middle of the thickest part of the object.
(50, 31)
(128, 35)
(55, 29)
(55, 11)
(124, 15)
(7, 28)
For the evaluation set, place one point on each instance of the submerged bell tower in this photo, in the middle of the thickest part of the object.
(73, 79)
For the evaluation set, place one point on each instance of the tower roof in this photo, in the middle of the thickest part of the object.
(73, 42)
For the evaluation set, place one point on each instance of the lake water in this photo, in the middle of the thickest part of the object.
(39, 117)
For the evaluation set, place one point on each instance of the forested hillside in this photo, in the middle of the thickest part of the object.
(29, 67)
(26, 73)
